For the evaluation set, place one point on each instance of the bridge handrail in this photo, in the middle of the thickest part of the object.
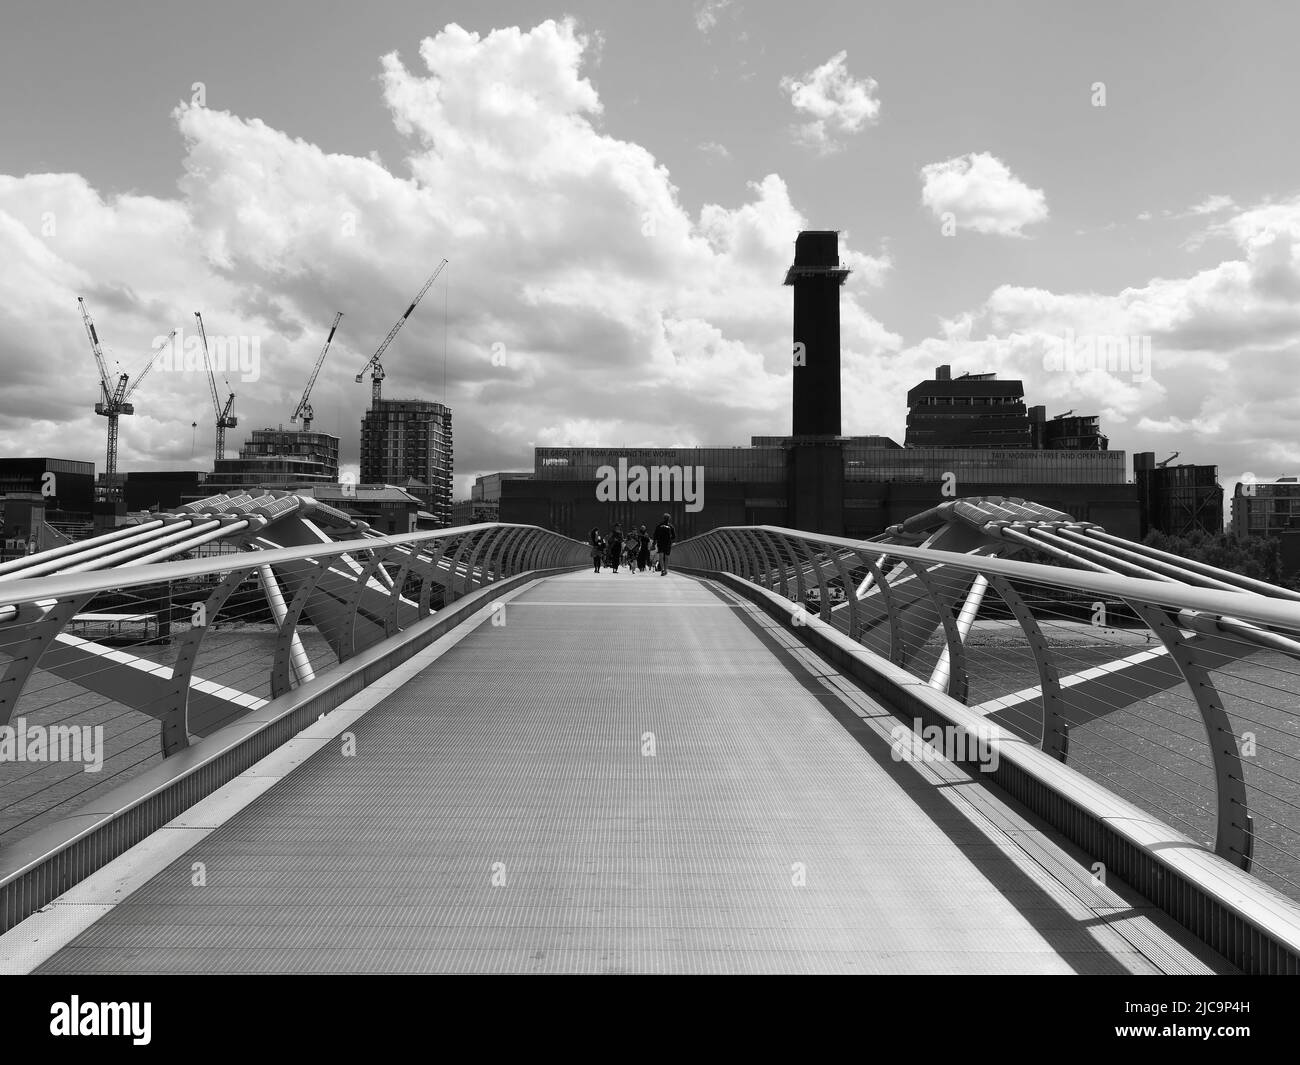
(18, 591)
(283, 616)
(919, 612)
(1251, 606)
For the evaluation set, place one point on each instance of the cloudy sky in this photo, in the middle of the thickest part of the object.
(618, 188)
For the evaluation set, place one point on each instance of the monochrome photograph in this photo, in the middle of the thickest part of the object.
(715, 488)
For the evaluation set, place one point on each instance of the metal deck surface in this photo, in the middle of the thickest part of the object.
(632, 774)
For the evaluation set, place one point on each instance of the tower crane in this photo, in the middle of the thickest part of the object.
(225, 420)
(303, 410)
(375, 367)
(113, 402)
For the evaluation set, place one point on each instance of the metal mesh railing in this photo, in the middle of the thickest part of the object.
(1181, 697)
(104, 672)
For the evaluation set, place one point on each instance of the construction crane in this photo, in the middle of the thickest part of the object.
(113, 402)
(303, 410)
(375, 367)
(1162, 465)
(225, 420)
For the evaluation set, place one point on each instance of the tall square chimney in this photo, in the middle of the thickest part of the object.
(816, 276)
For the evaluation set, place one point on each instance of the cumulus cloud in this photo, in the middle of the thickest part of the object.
(612, 310)
(707, 13)
(715, 149)
(837, 102)
(978, 191)
(1222, 347)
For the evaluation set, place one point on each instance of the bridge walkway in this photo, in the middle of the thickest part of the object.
(629, 773)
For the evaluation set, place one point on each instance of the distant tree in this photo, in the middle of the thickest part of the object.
(1259, 557)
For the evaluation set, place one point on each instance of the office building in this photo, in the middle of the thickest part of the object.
(45, 502)
(1271, 508)
(163, 489)
(66, 485)
(1067, 432)
(1266, 507)
(277, 456)
(973, 410)
(404, 441)
(484, 502)
(881, 484)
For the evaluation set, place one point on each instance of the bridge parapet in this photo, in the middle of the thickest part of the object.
(1171, 683)
(120, 652)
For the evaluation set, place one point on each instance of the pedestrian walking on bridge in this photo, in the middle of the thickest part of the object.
(642, 550)
(665, 534)
(615, 547)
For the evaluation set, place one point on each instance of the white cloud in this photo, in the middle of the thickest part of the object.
(837, 102)
(980, 192)
(715, 149)
(613, 305)
(1210, 205)
(706, 15)
(1223, 345)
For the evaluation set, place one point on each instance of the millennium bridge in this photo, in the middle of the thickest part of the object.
(252, 735)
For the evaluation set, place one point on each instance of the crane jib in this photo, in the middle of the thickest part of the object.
(373, 364)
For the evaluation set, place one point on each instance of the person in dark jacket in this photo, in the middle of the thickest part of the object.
(597, 547)
(665, 534)
(642, 550)
(615, 546)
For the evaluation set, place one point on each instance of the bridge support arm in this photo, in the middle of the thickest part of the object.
(1233, 836)
(175, 725)
(957, 682)
(1055, 728)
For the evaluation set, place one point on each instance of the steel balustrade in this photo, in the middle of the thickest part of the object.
(899, 598)
(346, 595)
(302, 628)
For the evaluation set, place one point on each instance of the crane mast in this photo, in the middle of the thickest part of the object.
(224, 419)
(303, 410)
(374, 365)
(113, 398)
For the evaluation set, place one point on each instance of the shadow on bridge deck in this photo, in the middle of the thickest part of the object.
(631, 774)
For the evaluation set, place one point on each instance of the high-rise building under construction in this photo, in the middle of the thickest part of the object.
(408, 442)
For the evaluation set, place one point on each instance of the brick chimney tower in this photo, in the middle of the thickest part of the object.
(816, 450)
(816, 276)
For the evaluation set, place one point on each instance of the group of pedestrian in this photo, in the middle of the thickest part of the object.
(633, 548)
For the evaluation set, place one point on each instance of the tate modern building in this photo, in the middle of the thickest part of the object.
(818, 480)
